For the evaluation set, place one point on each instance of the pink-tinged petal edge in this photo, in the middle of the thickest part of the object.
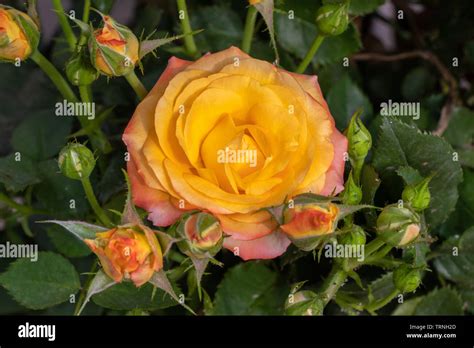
(335, 175)
(161, 211)
(267, 247)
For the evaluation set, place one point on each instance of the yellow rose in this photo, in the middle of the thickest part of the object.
(19, 35)
(130, 252)
(232, 135)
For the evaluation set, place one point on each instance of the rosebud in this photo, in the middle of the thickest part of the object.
(201, 233)
(406, 278)
(355, 237)
(352, 193)
(114, 49)
(254, 2)
(128, 252)
(418, 195)
(306, 223)
(332, 19)
(398, 226)
(76, 161)
(19, 35)
(360, 140)
(79, 70)
(305, 303)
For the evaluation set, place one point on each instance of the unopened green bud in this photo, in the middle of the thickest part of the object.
(332, 19)
(305, 303)
(352, 193)
(418, 195)
(398, 226)
(355, 237)
(201, 235)
(79, 70)
(76, 161)
(360, 140)
(406, 278)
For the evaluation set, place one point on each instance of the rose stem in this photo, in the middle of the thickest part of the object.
(338, 276)
(136, 84)
(309, 56)
(86, 11)
(65, 90)
(54, 75)
(85, 289)
(186, 27)
(22, 209)
(249, 28)
(86, 184)
(65, 25)
(379, 304)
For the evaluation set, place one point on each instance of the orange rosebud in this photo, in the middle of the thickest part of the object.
(130, 252)
(305, 223)
(114, 49)
(19, 35)
(254, 2)
(202, 235)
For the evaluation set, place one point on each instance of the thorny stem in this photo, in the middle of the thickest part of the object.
(309, 56)
(249, 28)
(136, 84)
(65, 25)
(86, 184)
(338, 275)
(187, 31)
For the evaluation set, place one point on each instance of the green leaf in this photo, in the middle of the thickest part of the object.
(55, 192)
(370, 183)
(410, 175)
(364, 7)
(41, 135)
(461, 127)
(125, 296)
(418, 83)
(266, 9)
(358, 7)
(408, 307)
(17, 175)
(149, 46)
(467, 296)
(445, 301)
(344, 98)
(381, 288)
(250, 289)
(399, 145)
(222, 27)
(66, 243)
(80, 229)
(296, 36)
(100, 283)
(458, 268)
(37, 285)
